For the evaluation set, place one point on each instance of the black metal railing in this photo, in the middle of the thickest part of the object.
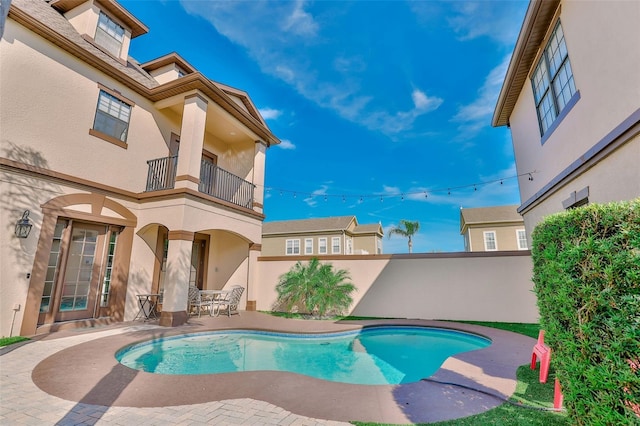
(214, 181)
(222, 184)
(162, 173)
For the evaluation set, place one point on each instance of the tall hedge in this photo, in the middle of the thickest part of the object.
(587, 278)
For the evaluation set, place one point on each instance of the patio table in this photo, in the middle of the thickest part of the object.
(148, 303)
(212, 296)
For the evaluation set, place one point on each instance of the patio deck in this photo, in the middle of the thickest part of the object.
(72, 377)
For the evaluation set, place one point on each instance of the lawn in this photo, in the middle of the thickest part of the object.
(5, 341)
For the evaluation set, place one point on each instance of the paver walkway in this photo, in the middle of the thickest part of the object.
(23, 403)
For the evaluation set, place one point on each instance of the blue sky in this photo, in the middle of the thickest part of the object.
(383, 107)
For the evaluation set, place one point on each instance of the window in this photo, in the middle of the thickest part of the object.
(522, 239)
(490, 241)
(552, 80)
(112, 116)
(322, 246)
(109, 35)
(335, 245)
(308, 246)
(106, 283)
(293, 247)
(348, 246)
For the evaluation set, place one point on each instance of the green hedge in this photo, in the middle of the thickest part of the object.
(586, 271)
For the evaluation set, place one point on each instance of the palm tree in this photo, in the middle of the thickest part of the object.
(316, 288)
(407, 229)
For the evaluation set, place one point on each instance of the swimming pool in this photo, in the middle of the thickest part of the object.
(370, 356)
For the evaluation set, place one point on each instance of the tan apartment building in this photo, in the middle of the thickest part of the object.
(498, 228)
(321, 236)
(571, 97)
(135, 178)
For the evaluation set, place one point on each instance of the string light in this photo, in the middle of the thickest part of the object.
(361, 198)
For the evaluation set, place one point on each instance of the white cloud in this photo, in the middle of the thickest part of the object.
(297, 52)
(478, 113)
(424, 103)
(300, 22)
(270, 113)
(286, 144)
(312, 200)
(498, 21)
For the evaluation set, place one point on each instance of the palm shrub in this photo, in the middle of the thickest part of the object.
(314, 288)
(586, 271)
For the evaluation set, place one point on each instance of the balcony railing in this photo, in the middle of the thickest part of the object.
(162, 173)
(214, 181)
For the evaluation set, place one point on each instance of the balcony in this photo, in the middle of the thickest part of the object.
(214, 181)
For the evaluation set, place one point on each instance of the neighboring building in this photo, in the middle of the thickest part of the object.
(498, 228)
(90, 144)
(571, 98)
(324, 236)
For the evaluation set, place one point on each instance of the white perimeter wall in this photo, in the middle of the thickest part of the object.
(446, 286)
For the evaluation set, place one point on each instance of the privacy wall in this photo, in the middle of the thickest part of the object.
(447, 286)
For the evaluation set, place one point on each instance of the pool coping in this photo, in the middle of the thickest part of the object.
(89, 373)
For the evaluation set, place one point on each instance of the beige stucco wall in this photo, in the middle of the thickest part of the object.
(56, 98)
(506, 237)
(602, 41)
(451, 286)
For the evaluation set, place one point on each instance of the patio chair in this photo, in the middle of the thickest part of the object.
(544, 352)
(229, 302)
(195, 301)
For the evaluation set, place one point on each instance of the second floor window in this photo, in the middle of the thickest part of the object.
(109, 35)
(322, 246)
(293, 247)
(552, 80)
(335, 245)
(522, 239)
(112, 116)
(490, 241)
(308, 246)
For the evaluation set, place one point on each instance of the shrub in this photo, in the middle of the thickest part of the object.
(587, 278)
(314, 288)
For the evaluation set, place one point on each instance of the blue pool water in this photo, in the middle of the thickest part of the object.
(371, 356)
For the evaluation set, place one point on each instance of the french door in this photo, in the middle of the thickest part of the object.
(79, 272)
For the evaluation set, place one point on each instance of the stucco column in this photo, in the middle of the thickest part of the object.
(176, 286)
(194, 118)
(252, 276)
(259, 160)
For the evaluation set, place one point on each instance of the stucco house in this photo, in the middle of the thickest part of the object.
(497, 228)
(321, 236)
(571, 97)
(135, 177)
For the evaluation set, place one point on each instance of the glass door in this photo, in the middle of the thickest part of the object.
(82, 271)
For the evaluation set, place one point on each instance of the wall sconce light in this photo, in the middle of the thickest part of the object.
(23, 226)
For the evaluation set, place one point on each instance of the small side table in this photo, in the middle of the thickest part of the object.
(147, 303)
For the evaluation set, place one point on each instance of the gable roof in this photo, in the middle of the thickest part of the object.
(137, 28)
(537, 20)
(374, 228)
(488, 215)
(338, 223)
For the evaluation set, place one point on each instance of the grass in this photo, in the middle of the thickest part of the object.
(5, 341)
(530, 330)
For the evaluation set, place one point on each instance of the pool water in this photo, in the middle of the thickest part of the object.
(371, 356)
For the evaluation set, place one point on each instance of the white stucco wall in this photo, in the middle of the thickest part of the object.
(435, 286)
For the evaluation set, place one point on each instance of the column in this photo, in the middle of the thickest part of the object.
(176, 286)
(194, 119)
(259, 159)
(252, 276)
